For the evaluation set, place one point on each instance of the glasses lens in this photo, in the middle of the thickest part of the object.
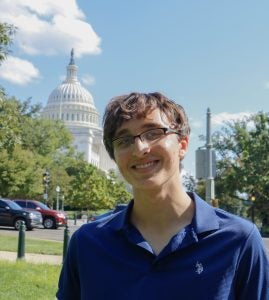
(152, 135)
(147, 136)
(123, 142)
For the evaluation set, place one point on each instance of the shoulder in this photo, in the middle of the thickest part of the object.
(233, 223)
(100, 227)
(211, 219)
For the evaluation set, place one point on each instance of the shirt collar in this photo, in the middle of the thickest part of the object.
(205, 218)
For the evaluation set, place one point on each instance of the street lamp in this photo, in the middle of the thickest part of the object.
(46, 181)
(253, 199)
(58, 189)
(62, 202)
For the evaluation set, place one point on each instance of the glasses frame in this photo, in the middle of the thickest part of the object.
(166, 130)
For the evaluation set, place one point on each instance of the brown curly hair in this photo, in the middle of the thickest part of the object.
(137, 105)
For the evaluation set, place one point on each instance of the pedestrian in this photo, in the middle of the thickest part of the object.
(167, 243)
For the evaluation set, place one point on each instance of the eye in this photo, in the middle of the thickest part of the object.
(153, 134)
(123, 142)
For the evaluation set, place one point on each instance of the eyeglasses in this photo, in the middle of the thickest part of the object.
(148, 136)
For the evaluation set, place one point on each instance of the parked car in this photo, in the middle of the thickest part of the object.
(118, 208)
(52, 219)
(11, 214)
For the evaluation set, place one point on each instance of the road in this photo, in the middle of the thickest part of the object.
(58, 234)
(42, 233)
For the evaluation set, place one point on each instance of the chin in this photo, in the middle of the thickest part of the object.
(147, 184)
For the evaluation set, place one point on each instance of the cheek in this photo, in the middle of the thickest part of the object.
(172, 146)
(168, 143)
(171, 151)
(121, 161)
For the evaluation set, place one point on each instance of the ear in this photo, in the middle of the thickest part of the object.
(183, 142)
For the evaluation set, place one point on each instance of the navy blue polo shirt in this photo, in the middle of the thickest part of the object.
(218, 256)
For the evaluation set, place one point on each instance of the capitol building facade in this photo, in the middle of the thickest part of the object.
(74, 105)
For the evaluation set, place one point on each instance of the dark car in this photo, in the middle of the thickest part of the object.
(52, 219)
(118, 208)
(11, 214)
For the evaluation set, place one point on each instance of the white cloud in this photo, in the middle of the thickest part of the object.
(88, 79)
(220, 118)
(196, 124)
(18, 71)
(50, 27)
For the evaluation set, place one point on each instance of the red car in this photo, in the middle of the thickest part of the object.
(52, 219)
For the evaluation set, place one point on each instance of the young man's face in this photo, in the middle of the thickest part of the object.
(150, 165)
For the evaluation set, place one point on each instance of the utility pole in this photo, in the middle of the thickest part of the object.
(210, 184)
(58, 189)
(46, 181)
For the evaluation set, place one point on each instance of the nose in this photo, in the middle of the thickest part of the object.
(139, 147)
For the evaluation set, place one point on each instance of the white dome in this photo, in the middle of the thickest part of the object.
(71, 92)
(71, 102)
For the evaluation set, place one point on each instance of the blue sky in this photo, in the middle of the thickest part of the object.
(199, 53)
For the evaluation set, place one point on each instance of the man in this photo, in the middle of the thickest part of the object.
(167, 244)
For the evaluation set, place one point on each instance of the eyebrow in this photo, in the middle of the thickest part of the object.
(152, 125)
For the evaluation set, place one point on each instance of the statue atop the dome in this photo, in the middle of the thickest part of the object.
(72, 61)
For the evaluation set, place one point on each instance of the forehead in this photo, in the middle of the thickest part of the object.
(154, 118)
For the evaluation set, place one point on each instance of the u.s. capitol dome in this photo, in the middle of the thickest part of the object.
(74, 105)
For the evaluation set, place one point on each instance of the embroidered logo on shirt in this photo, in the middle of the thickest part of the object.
(199, 268)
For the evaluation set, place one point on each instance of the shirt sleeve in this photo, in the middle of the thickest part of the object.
(252, 278)
(69, 282)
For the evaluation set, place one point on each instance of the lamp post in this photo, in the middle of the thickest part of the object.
(253, 199)
(46, 181)
(62, 202)
(58, 189)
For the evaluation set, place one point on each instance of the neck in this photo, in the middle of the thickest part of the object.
(160, 208)
(159, 216)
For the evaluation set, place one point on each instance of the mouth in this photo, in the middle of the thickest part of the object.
(145, 165)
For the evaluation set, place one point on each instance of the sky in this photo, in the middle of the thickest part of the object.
(202, 54)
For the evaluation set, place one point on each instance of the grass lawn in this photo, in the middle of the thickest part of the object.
(10, 243)
(26, 281)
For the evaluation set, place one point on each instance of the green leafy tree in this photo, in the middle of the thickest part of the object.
(28, 145)
(92, 189)
(45, 137)
(189, 182)
(10, 120)
(7, 32)
(18, 174)
(117, 189)
(88, 189)
(243, 160)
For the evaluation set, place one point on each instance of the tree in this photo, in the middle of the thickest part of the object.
(117, 189)
(243, 160)
(18, 174)
(88, 189)
(6, 36)
(28, 145)
(189, 182)
(45, 137)
(10, 121)
(92, 189)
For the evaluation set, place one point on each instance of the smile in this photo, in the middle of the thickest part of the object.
(144, 166)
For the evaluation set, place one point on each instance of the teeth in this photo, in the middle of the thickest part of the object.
(144, 165)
